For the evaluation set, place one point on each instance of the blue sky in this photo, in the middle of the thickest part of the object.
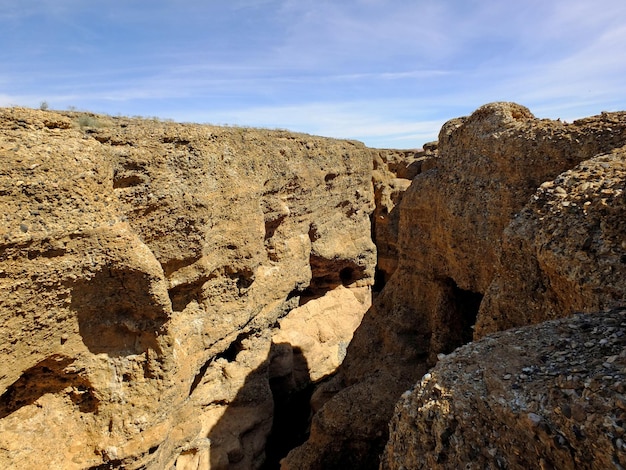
(385, 72)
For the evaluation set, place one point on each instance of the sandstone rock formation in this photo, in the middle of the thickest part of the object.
(148, 271)
(172, 294)
(548, 396)
(565, 252)
(393, 172)
(450, 230)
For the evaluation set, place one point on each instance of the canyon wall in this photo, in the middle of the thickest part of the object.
(550, 395)
(183, 296)
(450, 231)
(163, 283)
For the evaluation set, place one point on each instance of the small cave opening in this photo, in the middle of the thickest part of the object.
(468, 303)
(346, 275)
(292, 409)
(454, 325)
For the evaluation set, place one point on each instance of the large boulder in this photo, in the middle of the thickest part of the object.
(565, 252)
(547, 396)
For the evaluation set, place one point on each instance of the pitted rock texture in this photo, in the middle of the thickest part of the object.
(393, 172)
(490, 164)
(565, 252)
(145, 268)
(451, 223)
(546, 396)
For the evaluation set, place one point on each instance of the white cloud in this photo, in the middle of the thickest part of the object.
(375, 70)
(368, 121)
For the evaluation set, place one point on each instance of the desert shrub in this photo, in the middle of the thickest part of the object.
(86, 120)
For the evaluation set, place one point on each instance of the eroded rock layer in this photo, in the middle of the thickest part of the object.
(172, 293)
(148, 271)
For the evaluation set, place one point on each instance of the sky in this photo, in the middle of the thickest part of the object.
(388, 73)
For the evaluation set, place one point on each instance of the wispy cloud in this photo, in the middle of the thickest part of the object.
(369, 121)
(375, 70)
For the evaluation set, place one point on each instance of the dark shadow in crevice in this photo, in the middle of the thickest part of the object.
(48, 376)
(199, 376)
(183, 294)
(292, 410)
(467, 304)
(271, 225)
(327, 274)
(229, 354)
(269, 416)
(110, 465)
(380, 279)
(127, 181)
(117, 313)
(235, 347)
(454, 322)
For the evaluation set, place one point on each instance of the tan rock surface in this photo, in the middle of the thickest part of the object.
(546, 396)
(565, 252)
(144, 266)
(322, 328)
(451, 220)
(393, 172)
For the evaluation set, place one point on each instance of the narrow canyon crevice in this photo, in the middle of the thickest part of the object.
(292, 410)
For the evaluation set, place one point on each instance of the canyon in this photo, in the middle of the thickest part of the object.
(190, 296)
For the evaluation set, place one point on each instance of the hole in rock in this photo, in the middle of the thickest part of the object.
(346, 276)
(326, 274)
(244, 282)
(127, 181)
(464, 310)
(49, 376)
(230, 353)
(271, 225)
(183, 294)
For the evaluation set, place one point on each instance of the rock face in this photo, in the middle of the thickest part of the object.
(546, 396)
(565, 252)
(393, 172)
(172, 295)
(156, 278)
(451, 221)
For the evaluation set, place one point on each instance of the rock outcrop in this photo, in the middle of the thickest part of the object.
(565, 252)
(548, 396)
(393, 172)
(158, 280)
(451, 221)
